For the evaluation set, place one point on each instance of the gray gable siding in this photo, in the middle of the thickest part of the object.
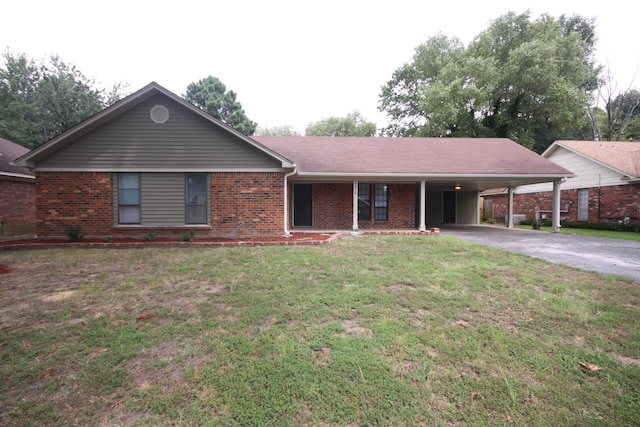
(134, 142)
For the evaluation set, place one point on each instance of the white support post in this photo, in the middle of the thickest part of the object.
(510, 212)
(423, 221)
(355, 205)
(555, 222)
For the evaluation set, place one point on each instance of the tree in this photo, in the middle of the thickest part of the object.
(519, 79)
(40, 100)
(351, 125)
(211, 95)
(619, 119)
(283, 130)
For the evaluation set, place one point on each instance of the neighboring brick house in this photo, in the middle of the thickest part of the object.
(154, 163)
(17, 193)
(606, 187)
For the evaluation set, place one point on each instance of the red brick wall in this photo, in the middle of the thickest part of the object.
(73, 198)
(333, 208)
(402, 209)
(247, 204)
(17, 206)
(243, 205)
(606, 204)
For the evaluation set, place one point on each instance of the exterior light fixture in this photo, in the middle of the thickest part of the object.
(457, 187)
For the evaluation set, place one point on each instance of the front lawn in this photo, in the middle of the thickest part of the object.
(369, 330)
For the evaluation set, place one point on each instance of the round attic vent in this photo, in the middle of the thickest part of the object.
(159, 114)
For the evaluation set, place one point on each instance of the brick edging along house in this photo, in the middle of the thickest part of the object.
(154, 163)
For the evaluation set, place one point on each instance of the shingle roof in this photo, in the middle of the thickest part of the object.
(623, 156)
(418, 156)
(8, 153)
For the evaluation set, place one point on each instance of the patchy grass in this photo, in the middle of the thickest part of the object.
(371, 330)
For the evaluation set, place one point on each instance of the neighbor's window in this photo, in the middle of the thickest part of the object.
(196, 198)
(380, 204)
(381, 212)
(129, 198)
(583, 204)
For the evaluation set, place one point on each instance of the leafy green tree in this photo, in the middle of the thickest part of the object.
(351, 125)
(520, 79)
(40, 100)
(211, 95)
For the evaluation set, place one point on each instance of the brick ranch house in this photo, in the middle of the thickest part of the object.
(154, 163)
(605, 188)
(17, 193)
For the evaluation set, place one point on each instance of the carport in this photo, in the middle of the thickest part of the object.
(422, 182)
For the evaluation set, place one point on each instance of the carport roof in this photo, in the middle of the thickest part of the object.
(487, 162)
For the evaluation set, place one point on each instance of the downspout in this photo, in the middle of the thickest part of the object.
(286, 200)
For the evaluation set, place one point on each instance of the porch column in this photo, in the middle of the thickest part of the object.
(423, 222)
(510, 210)
(355, 205)
(555, 221)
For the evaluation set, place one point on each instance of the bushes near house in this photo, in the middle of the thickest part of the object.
(605, 226)
(74, 233)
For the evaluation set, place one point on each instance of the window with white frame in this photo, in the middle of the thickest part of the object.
(379, 209)
(129, 198)
(196, 198)
(583, 204)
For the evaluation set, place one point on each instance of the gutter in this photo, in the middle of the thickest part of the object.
(286, 199)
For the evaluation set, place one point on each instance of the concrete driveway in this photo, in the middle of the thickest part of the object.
(608, 256)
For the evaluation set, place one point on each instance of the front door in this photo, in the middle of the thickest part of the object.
(302, 205)
(448, 207)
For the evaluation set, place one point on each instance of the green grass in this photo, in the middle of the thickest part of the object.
(594, 233)
(371, 330)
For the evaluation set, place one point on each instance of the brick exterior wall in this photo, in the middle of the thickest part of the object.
(606, 204)
(17, 206)
(247, 204)
(242, 205)
(333, 208)
(74, 198)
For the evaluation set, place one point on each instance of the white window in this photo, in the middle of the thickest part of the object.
(196, 198)
(129, 198)
(583, 204)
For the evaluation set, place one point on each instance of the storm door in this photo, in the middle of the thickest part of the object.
(302, 205)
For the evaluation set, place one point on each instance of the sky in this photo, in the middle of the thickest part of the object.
(289, 62)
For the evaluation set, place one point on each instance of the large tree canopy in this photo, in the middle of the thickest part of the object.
(520, 79)
(351, 125)
(40, 100)
(211, 95)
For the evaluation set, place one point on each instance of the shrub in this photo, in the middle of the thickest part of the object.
(188, 236)
(149, 236)
(607, 226)
(74, 233)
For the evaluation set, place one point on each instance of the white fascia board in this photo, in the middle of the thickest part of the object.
(17, 175)
(433, 177)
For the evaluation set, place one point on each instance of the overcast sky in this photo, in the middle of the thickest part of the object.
(290, 62)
